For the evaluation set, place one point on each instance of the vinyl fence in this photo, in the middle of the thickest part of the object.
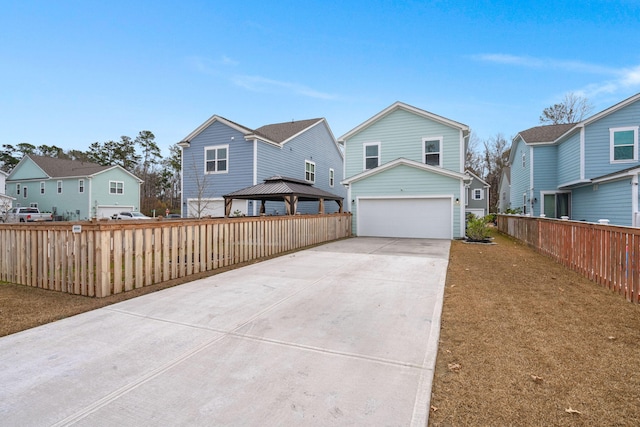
(102, 258)
(608, 255)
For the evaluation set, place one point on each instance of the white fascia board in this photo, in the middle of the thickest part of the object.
(611, 109)
(23, 160)
(254, 137)
(484, 183)
(406, 162)
(618, 176)
(576, 183)
(326, 125)
(115, 167)
(406, 107)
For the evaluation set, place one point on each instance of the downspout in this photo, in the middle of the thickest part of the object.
(255, 170)
(531, 195)
(634, 199)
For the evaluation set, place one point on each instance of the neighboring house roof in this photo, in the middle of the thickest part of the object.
(54, 167)
(406, 162)
(506, 173)
(402, 106)
(62, 168)
(276, 187)
(281, 132)
(545, 134)
(477, 178)
(277, 133)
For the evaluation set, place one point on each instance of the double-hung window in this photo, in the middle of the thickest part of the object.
(216, 159)
(371, 155)
(59, 187)
(81, 186)
(42, 186)
(116, 187)
(309, 171)
(24, 192)
(331, 177)
(432, 150)
(477, 194)
(623, 144)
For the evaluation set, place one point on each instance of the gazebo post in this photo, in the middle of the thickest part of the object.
(227, 207)
(263, 207)
(320, 206)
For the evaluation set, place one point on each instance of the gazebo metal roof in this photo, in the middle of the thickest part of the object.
(279, 188)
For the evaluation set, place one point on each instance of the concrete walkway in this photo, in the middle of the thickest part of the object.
(342, 334)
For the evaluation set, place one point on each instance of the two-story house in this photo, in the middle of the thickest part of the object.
(477, 196)
(587, 171)
(73, 189)
(404, 169)
(221, 157)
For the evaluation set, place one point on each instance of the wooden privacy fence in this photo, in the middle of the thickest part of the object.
(608, 255)
(102, 258)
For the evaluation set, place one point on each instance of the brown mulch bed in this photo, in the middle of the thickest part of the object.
(525, 341)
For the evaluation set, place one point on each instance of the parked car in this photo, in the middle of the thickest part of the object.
(26, 214)
(174, 216)
(130, 215)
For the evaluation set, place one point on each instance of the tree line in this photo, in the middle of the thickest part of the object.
(140, 156)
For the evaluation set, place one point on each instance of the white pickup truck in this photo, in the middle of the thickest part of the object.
(27, 215)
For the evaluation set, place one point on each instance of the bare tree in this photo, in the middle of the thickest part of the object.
(495, 158)
(203, 191)
(473, 159)
(573, 109)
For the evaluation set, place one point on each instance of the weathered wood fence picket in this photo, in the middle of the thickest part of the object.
(102, 258)
(608, 255)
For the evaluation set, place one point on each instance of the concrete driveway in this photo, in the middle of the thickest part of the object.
(342, 334)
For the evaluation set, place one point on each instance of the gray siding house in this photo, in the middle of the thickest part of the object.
(477, 197)
(221, 157)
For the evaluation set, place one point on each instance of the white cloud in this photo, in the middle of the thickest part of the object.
(262, 84)
(619, 79)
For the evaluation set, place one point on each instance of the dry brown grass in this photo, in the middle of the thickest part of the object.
(524, 341)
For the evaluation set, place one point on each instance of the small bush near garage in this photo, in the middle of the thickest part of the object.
(477, 229)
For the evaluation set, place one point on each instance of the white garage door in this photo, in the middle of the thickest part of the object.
(405, 217)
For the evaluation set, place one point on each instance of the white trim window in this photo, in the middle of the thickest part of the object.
(432, 151)
(371, 158)
(116, 187)
(216, 159)
(332, 177)
(623, 143)
(477, 194)
(524, 160)
(18, 189)
(81, 186)
(59, 184)
(309, 171)
(42, 187)
(24, 192)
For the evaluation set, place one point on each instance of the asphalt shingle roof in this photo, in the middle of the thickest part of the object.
(61, 168)
(547, 133)
(280, 132)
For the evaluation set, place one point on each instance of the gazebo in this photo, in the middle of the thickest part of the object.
(278, 189)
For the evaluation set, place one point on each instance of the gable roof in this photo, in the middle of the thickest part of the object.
(611, 109)
(61, 168)
(405, 162)
(477, 178)
(544, 134)
(281, 132)
(277, 133)
(54, 167)
(406, 107)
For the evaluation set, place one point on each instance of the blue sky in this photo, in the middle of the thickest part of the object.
(76, 72)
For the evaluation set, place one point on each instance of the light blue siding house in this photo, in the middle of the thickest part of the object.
(72, 189)
(404, 169)
(221, 157)
(586, 171)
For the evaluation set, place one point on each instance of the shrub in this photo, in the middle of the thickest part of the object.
(477, 230)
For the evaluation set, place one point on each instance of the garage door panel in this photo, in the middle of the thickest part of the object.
(405, 217)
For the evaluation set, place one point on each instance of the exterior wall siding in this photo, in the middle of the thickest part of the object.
(520, 175)
(568, 160)
(100, 189)
(597, 153)
(545, 169)
(478, 204)
(408, 181)
(316, 145)
(591, 205)
(240, 164)
(400, 134)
